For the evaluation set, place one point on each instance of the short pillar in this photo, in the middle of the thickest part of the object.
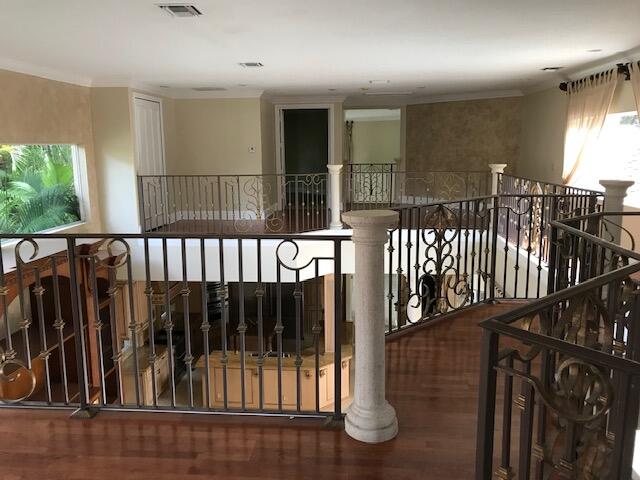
(335, 184)
(614, 193)
(496, 168)
(370, 418)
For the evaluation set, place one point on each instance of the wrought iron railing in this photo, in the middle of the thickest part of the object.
(570, 365)
(451, 255)
(528, 206)
(512, 184)
(382, 185)
(173, 322)
(269, 203)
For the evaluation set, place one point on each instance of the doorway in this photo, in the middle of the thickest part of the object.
(304, 138)
(150, 162)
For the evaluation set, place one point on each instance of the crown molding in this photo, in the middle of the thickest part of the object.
(386, 102)
(302, 99)
(188, 94)
(461, 97)
(43, 72)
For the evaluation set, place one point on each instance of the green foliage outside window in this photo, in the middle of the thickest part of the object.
(36, 188)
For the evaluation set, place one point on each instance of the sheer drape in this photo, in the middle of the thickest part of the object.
(634, 71)
(589, 102)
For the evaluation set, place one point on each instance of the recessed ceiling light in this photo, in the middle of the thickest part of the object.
(378, 82)
(163, 86)
(180, 10)
(594, 50)
(251, 64)
(331, 89)
(551, 69)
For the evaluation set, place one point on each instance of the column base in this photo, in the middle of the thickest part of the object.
(371, 426)
(336, 226)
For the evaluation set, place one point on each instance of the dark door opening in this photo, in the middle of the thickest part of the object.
(306, 140)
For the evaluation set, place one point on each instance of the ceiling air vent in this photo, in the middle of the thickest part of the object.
(180, 10)
(250, 64)
(209, 89)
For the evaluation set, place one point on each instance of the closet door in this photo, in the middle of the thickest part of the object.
(150, 162)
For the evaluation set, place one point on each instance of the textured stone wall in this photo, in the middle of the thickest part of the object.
(463, 135)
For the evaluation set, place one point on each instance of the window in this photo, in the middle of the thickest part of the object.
(37, 187)
(616, 156)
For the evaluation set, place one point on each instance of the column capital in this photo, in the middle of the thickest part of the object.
(335, 168)
(617, 187)
(497, 167)
(371, 225)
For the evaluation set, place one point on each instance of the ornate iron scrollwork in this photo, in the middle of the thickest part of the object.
(10, 361)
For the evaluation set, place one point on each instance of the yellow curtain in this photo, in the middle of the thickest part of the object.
(634, 70)
(589, 102)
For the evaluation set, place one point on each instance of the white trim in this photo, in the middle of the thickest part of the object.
(460, 97)
(303, 99)
(80, 181)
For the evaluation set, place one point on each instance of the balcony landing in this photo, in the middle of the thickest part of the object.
(432, 380)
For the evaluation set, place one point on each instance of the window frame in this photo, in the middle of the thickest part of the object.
(80, 185)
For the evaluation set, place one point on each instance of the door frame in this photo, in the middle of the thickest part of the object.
(148, 98)
(280, 108)
(136, 157)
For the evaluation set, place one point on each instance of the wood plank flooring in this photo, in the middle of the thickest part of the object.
(432, 377)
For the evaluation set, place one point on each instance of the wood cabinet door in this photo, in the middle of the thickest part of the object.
(234, 391)
(288, 389)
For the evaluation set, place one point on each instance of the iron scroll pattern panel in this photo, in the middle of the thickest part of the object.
(570, 366)
(439, 260)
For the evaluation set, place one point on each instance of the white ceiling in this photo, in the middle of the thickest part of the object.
(431, 48)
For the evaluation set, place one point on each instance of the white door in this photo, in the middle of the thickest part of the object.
(150, 162)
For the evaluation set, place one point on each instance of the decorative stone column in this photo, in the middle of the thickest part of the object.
(335, 185)
(496, 168)
(614, 193)
(370, 418)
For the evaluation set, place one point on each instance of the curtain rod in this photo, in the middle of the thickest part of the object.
(623, 69)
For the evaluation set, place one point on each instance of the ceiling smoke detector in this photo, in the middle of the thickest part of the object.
(251, 64)
(180, 10)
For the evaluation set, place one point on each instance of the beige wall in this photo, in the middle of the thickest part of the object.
(376, 141)
(268, 136)
(36, 110)
(464, 135)
(115, 154)
(544, 116)
(213, 136)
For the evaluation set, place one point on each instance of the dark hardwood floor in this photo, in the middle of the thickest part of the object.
(432, 377)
